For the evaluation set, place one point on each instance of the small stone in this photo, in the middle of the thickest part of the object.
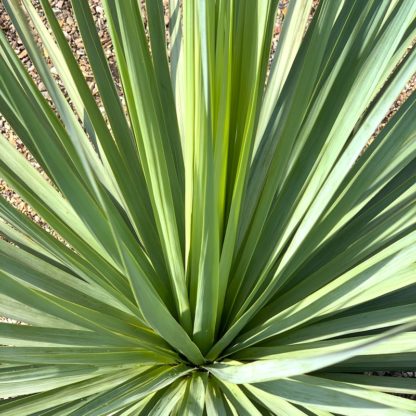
(23, 54)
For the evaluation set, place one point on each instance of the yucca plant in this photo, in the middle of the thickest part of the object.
(223, 245)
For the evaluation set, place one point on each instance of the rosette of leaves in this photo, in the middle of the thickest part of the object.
(227, 246)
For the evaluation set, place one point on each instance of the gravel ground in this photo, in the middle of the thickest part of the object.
(62, 8)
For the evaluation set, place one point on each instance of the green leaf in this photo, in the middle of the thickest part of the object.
(224, 224)
(291, 364)
(337, 398)
(41, 401)
(403, 385)
(136, 389)
(193, 402)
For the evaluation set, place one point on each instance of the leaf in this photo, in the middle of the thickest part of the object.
(193, 402)
(315, 392)
(38, 402)
(293, 364)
